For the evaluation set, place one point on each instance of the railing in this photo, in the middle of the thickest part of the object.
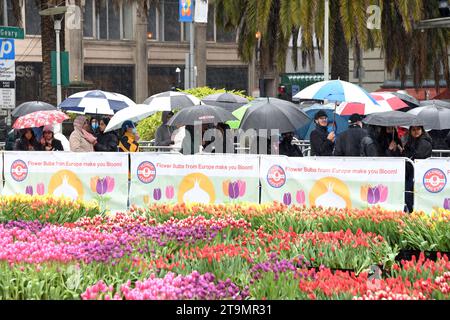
(2, 145)
(441, 153)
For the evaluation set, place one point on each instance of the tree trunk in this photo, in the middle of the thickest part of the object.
(48, 40)
(340, 53)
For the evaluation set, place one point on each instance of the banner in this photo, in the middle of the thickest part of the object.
(186, 9)
(334, 182)
(172, 178)
(87, 176)
(201, 11)
(431, 189)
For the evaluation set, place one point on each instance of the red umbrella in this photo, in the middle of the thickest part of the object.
(386, 102)
(40, 119)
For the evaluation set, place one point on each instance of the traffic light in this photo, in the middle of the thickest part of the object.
(444, 8)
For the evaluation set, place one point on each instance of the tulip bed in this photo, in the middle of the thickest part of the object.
(58, 249)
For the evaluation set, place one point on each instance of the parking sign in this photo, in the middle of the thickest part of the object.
(7, 49)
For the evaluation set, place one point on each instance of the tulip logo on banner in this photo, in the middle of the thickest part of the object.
(146, 172)
(186, 10)
(19, 170)
(434, 180)
(276, 177)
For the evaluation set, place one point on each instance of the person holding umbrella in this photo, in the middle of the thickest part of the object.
(163, 136)
(128, 142)
(27, 141)
(48, 141)
(322, 141)
(81, 140)
(349, 143)
(106, 142)
(418, 146)
(287, 148)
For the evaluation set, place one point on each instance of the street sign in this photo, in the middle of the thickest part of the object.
(12, 33)
(7, 49)
(7, 70)
(7, 95)
(186, 10)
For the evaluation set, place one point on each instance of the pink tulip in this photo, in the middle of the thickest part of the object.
(110, 184)
(40, 189)
(242, 188)
(170, 192)
(301, 198)
(384, 191)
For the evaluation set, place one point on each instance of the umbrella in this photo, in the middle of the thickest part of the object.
(433, 117)
(134, 114)
(170, 100)
(386, 102)
(408, 99)
(272, 115)
(228, 101)
(341, 121)
(202, 113)
(39, 119)
(393, 119)
(437, 103)
(30, 107)
(96, 102)
(336, 91)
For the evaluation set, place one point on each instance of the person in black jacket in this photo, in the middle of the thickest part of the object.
(390, 142)
(287, 148)
(48, 141)
(27, 142)
(349, 142)
(322, 141)
(419, 145)
(106, 142)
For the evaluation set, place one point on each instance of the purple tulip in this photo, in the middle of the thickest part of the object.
(287, 199)
(233, 190)
(102, 186)
(373, 196)
(447, 204)
(29, 190)
(40, 189)
(157, 194)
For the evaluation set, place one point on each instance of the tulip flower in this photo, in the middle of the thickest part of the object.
(233, 190)
(225, 187)
(40, 189)
(93, 184)
(170, 192)
(157, 194)
(29, 190)
(287, 199)
(373, 196)
(364, 192)
(147, 199)
(300, 197)
(447, 204)
(110, 184)
(384, 191)
(242, 188)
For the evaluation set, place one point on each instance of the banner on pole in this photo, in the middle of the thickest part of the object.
(186, 9)
(207, 179)
(201, 11)
(333, 182)
(431, 185)
(85, 176)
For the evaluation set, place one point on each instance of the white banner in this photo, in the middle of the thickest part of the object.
(87, 176)
(173, 178)
(431, 189)
(334, 182)
(201, 11)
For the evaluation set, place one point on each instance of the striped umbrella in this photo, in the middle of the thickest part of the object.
(170, 100)
(40, 119)
(386, 102)
(96, 102)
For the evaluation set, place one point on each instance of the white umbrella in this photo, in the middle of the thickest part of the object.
(170, 100)
(96, 102)
(135, 113)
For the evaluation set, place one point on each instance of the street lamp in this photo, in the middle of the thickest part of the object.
(326, 66)
(178, 71)
(258, 36)
(56, 11)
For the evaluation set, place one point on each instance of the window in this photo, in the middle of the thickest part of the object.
(210, 29)
(230, 78)
(104, 20)
(32, 18)
(152, 27)
(172, 26)
(225, 36)
(113, 78)
(12, 21)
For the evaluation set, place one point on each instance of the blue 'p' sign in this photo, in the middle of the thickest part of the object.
(7, 49)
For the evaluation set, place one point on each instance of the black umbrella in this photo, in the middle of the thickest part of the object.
(228, 101)
(30, 107)
(433, 117)
(273, 114)
(436, 103)
(408, 99)
(200, 114)
(393, 119)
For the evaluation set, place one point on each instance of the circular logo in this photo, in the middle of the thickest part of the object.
(434, 180)
(19, 170)
(146, 172)
(276, 177)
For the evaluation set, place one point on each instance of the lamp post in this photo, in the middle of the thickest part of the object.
(326, 66)
(258, 37)
(56, 11)
(178, 71)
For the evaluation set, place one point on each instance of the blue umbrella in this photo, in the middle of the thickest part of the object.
(341, 121)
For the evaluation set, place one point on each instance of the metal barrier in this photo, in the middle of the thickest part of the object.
(440, 153)
(2, 146)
